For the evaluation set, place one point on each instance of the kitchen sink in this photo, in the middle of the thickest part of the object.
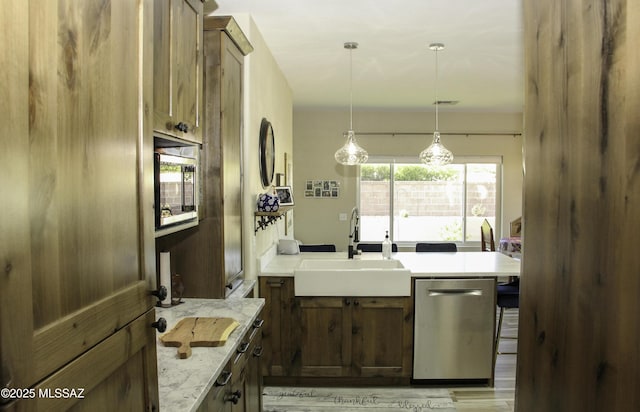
(352, 277)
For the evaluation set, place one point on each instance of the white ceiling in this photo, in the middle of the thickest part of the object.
(393, 68)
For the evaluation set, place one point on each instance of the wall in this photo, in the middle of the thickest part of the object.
(318, 134)
(579, 332)
(266, 95)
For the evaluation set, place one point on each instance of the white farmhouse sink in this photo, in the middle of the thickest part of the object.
(351, 277)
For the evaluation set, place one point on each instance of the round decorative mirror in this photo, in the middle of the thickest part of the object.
(267, 153)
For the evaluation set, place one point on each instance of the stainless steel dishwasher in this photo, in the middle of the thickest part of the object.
(454, 327)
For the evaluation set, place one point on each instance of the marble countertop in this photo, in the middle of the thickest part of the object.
(183, 383)
(431, 264)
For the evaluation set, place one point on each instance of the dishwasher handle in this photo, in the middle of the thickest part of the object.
(454, 292)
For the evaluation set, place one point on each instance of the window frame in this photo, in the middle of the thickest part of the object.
(479, 159)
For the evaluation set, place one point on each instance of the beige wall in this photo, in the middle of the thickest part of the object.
(267, 95)
(318, 134)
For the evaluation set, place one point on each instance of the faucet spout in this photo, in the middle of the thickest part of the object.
(354, 224)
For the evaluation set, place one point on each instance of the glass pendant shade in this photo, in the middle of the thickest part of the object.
(351, 153)
(436, 154)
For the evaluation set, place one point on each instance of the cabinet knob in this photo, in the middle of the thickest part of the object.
(356, 302)
(161, 293)
(258, 323)
(234, 397)
(347, 302)
(160, 324)
(257, 352)
(182, 127)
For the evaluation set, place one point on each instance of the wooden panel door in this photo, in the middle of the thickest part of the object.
(178, 68)
(279, 330)
(382, 336)
(78, 251)
(325, 336)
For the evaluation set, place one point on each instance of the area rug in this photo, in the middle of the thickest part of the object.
(298, 399)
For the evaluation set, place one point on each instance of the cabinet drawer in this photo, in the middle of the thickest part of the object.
(248, 347)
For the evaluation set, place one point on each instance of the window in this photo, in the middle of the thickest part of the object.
(417, 203)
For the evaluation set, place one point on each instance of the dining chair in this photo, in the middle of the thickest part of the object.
(436, 247)
(318, 248)
(508, 297)
(375, 247)
(487, 243)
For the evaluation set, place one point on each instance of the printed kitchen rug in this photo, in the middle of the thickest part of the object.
(298, 399)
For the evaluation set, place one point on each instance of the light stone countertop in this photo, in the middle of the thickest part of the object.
(425, 264)
(184, 383)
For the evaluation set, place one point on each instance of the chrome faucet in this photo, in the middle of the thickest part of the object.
(354, 237)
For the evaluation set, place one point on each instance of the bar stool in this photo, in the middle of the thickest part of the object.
(436, 247)
(508, 297)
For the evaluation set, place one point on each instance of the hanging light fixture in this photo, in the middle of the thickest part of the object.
(436, 154)
(351, 153)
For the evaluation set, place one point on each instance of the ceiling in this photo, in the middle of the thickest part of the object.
(481, 66)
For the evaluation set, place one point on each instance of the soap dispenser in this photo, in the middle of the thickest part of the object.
(386, 247)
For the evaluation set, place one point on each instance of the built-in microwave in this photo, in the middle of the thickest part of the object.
(175, 186)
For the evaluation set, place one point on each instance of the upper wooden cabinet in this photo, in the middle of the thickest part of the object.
(76, 236)
(210, 256)
(177, 59)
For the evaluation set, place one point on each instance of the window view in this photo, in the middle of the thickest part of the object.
(415, 202)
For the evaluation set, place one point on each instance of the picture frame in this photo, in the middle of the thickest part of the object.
(285, 195)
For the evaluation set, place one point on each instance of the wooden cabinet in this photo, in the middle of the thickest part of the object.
(356, 336)
(210, 256)
(239, 387)
(281, 345)
(177, 59)
(324, 337)
(76, 237)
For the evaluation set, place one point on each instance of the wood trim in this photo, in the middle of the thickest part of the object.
(231, 27)
(58, 343)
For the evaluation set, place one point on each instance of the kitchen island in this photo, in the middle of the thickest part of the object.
(366, 339)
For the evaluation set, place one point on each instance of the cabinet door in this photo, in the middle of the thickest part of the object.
(382, 336)
(280, 327)
(326, 336)
(77, 242)
(177, 60)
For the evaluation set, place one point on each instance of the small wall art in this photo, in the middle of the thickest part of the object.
(325, 189)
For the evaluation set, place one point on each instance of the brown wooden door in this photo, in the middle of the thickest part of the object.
(280, 326)
(77, 247)
(325, 336)
(178, 67)
(382, 336)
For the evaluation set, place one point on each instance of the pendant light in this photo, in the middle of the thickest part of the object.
(351, 153)
(436, 154)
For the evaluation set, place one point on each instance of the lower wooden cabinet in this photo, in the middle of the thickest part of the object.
(280, 313)
(334, 337)
(239, 387)
(118, 374)
(356, 336)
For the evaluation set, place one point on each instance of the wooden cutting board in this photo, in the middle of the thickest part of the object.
(198, 332)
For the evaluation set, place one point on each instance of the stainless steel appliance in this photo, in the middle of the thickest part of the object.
(454, 326)
(176, 186)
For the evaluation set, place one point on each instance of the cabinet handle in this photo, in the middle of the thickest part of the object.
(354, 330)
(160, 324)
(258, 323)
(235, 396)
(257, 352)
(275, 282)
(161, 293)
(225, 376)
(182, 127)
(243, 347)
(347, 302)
(356, 302)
